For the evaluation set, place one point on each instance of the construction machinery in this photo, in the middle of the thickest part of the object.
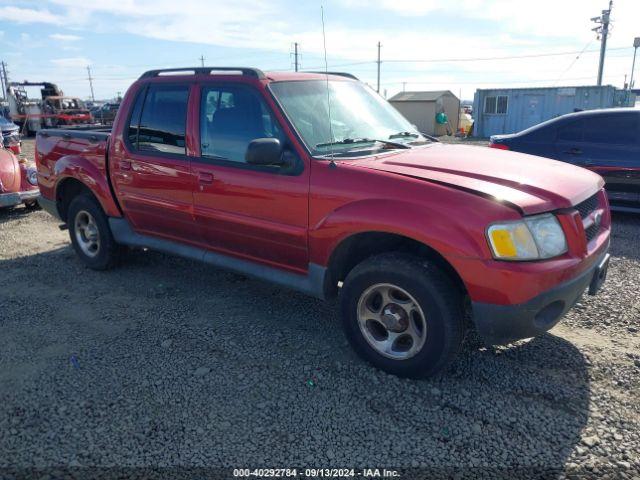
(50, 110)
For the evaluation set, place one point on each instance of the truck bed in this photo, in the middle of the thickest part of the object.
(74, 149)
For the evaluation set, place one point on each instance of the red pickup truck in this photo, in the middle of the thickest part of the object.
(314, 182)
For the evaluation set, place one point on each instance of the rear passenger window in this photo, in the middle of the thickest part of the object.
(163, 120)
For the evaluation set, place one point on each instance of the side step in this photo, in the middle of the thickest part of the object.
(310, 284)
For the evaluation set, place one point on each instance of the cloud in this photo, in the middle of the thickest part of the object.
(408, 29)
(63, 37)
(72, 62)
(29, 15)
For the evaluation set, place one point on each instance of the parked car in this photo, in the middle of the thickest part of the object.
(11, 135)
(252, 172)
(606, 141)
(18, 181)
(106, 113)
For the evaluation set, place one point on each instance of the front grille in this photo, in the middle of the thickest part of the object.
(591, 232)
(585, 209)
(589, 205)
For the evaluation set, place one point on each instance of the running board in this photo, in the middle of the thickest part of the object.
(310, 284)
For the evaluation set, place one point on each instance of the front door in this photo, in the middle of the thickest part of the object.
(152, 175)
(254, 212)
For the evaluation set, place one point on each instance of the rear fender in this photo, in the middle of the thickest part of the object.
(92, 177)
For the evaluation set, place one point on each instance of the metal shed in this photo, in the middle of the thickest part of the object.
(510, 110)
(420, 108)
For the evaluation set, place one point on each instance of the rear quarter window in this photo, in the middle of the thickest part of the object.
(616, 129)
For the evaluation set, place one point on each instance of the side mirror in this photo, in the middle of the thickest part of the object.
(264, 151)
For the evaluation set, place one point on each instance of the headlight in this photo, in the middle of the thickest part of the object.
(531, 238)
(32, 176)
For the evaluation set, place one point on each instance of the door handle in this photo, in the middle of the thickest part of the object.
(574, 151)
(205, 178)
(125, 165)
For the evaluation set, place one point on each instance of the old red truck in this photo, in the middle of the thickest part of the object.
(314, 182)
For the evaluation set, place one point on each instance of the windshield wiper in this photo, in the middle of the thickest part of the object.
(413, 135)
(404, 135)
(348, 141)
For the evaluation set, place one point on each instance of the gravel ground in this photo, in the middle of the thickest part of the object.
(165, 362)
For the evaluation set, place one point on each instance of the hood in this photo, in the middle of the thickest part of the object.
(528, 183)
(9, 171)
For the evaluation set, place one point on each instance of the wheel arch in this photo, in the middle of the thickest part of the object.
(67, 189)
(357, 247)
(73, 174)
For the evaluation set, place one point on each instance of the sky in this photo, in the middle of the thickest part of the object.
(426, 44)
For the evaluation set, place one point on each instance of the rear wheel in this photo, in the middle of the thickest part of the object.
(402, 314)
(90, 233)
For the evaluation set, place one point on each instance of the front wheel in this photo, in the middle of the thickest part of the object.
(402, 314)
(90, 233)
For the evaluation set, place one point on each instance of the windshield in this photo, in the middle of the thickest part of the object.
(359, 117)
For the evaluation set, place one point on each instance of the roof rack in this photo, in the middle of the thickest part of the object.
(251, 72)
(340, 74)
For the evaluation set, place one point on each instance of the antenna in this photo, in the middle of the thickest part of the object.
(326, 76)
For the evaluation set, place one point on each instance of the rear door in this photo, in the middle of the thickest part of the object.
(256, 212)
(152, 174)
(612, 148)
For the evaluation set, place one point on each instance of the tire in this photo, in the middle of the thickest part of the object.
(423, 311)
(90, 233)
(32, 205)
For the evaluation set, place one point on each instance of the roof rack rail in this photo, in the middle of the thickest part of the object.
(252, 72)
(340, 74)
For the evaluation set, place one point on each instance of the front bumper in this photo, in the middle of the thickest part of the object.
(16, 198)
(501, 324)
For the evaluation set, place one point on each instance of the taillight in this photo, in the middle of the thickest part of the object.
(499, 146)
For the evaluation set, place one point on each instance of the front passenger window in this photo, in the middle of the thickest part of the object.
(230, 118)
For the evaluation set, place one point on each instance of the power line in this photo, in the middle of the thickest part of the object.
(508, 82)
(510, 57)
(467, 59)
(574, 61)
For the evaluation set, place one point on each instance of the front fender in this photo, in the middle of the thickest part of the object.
(91, 176)
(446, 234)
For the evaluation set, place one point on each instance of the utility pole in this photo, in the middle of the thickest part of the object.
(295, 56)
(603, 32)
(202, 60)
(5, 80)
(93, 98)
(404, 86)
(378, 62)
(636, 44)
